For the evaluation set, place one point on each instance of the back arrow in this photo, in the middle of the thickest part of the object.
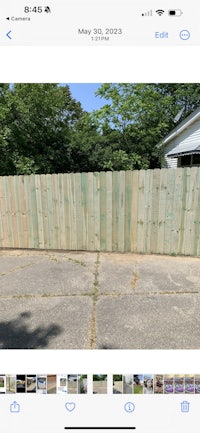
(8, 34)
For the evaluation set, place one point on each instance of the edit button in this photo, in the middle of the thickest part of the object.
(161, 35)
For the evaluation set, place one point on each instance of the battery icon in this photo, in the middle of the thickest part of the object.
(175, 12)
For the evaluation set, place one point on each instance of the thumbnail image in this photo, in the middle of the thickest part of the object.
(10, 384)
(179, 384)
(31, 383)
(51, 384)
(138, 383)
(89, 171)
(41, 384)
(117, 384)
(99, 383)
(127, 384)
(62, 383)
(82, 384)
(158, 384)
(72, 384)
(197, 384)
(148, 384)
(168, 384)
(2, 384)
(21, 383)
(189, 384)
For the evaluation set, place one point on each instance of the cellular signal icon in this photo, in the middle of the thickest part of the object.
(148, 13)
(160, 12)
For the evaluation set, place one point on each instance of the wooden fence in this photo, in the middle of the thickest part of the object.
(146, 211)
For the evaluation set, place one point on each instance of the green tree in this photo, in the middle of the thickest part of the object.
(143, 114)
(40, 122)
(6, 144)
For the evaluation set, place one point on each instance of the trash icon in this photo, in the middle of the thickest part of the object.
(185, 406)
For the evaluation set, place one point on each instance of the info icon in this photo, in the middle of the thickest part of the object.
(129, 407)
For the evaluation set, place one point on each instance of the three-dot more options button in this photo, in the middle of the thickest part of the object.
(184, 35)
(161, 35)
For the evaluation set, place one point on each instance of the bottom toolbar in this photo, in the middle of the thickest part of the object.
(100, 412)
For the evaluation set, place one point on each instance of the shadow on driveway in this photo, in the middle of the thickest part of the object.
(15, 334)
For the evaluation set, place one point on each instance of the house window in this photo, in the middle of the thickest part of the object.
(189, 160)
(184, 161)
(196, 159)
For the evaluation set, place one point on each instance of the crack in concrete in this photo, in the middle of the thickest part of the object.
(3, 274)
(96, 296)
(93, 331)
(68, 259)
(134, 280)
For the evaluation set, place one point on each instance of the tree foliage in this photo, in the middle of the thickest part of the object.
(43, 129)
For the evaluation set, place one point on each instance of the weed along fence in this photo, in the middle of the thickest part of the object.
(146, 211)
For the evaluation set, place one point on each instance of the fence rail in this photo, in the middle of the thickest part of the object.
(146, 211)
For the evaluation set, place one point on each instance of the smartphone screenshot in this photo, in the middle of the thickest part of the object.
(99, 216)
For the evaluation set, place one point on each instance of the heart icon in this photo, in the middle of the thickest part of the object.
(70, 406)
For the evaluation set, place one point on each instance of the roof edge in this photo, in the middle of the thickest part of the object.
(181, 127)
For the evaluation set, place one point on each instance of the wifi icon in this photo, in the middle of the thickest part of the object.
(160, 12)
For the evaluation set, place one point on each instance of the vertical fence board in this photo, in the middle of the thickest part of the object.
(33, 211)
(30, 243)
(39, 212)
(155, 209)
(10, 211)
(15, 204)
(66, 210)
(3, 216)
(186, 234)
(73, 222)
(13, 211)
(134, 211)
(91, 222)
(162, 211)
(169, 210)
(84, 210)
(43, 183)
(77, 198)
(62, 223)
(121, 211)
(127, 211)
(194, 200)
(96, 192)
(177, 200)
(141, 211)
(109, 228)
(190, 212)
(115, 211)
(148, 210)
(196, 249)
(50, 217)
(103, 211)
(22, 226)
(183, 212)
(25, 225)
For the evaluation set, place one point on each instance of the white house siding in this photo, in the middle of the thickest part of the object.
(171, 162)
(186, 140)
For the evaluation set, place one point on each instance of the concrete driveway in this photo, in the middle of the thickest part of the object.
(78, 300)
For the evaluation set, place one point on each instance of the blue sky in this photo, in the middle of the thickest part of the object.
(85, 93)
